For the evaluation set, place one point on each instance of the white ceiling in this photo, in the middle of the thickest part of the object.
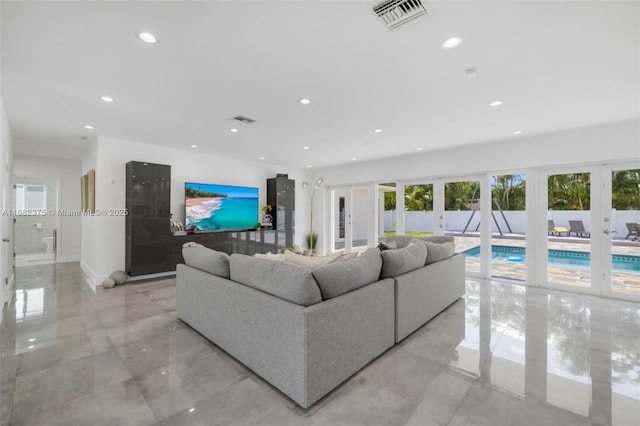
(555, 65)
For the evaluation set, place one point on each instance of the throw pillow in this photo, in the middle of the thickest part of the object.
(206, 259)
(281, 279)
(403, 260)
(270, 256)
(338, 278)
(311, 262)
(437, 251)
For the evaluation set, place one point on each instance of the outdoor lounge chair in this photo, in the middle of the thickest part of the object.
(631, 227)
(577, 227)
(554, 230)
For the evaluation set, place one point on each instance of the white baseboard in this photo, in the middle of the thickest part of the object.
(90, 277)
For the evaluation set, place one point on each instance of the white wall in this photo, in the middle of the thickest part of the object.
(69, 173)
(6, 198)
(589, 145)
(103, 238)
(611, 142)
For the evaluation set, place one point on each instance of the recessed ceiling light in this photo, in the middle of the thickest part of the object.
(147, 37)
(107, 98)
(233, 130)
(418, 149)
(305, 147)
(353, 159)
(194, 146)
(308, 166)
(496, 103)
(451, 42)
(305, 101)
(377, 131)
(261, 158)
(191, 410)
(517, 132)
(88, 126)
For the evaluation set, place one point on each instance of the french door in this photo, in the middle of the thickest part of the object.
(591, 212)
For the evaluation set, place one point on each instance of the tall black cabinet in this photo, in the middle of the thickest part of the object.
(148, 200)
(281, 197)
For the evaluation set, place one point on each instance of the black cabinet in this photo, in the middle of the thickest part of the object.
(281, 197)
(148, 201)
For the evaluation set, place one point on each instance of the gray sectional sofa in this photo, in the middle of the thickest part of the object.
(306, 331)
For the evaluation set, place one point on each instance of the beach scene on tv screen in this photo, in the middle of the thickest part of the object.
(217, 207)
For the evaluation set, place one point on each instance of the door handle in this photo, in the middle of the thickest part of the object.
(6, 240)
(606, 231)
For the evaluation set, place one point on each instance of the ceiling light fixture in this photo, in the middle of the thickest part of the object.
(471, 73)
(377, 131)
(194, 146)
(261, 158)
(233, 130)
(308, 166)
(305, 147)
(496, 103)
(88, 126)
(418, 149)
(451, 42)
(147, 37)
(305, 101)
(353, 159)
(517, 132)
(107, 98)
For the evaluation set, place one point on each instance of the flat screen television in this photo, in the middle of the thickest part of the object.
(211, 207)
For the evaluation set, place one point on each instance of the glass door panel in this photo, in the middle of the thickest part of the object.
(569, 229)
(418, 210)
(462, 219)
(508, 226)
(625, 231)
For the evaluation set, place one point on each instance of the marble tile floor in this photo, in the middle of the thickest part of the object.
(503, 355)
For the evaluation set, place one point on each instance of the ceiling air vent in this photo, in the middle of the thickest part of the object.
(243, 119)
(397, 12)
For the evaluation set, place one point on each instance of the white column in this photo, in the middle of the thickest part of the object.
(438, 208)
(372, 215)
(400, 209)
(485, 226)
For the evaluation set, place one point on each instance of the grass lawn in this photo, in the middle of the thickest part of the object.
(410, 234)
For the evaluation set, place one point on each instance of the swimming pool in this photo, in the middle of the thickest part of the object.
(579, 259)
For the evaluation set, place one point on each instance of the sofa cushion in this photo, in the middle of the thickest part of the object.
(205, 259)
(338, 278)
(437, 251)
(281, 279)
(403, 260)
(311, 262)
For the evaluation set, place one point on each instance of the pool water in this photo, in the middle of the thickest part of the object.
(579, 259)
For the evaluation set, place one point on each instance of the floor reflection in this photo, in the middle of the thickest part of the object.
(575, 352)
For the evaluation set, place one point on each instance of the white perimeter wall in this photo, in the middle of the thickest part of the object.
(456, 220)
(69, 172)
(588, 145)
(103, 238)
